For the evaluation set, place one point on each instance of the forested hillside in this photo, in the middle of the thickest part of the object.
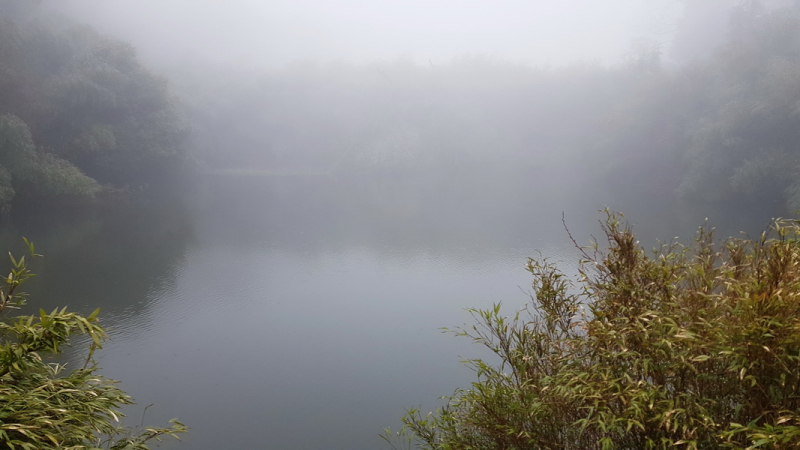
(78, 112)
(722, 127)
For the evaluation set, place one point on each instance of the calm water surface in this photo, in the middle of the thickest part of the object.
(300, 314)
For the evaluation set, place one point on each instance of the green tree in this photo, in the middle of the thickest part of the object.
(28, 173)
(91, 110)
(693, 347)
(43, 404)
(743, 135)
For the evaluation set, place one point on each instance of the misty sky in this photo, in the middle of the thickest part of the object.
(273, 33)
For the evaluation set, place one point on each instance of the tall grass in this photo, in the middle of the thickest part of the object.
(693, 347)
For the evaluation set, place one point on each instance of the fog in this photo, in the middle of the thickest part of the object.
(272, 34)
(279, 203)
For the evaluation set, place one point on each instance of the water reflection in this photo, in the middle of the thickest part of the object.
(276, 313)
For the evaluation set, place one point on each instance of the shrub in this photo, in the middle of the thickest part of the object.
(45, 175)
(692, 347)
(29, 173)
(43, 405)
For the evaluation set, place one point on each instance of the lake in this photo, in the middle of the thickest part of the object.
(306, 312)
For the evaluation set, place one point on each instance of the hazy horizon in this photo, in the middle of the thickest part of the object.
(262, 35)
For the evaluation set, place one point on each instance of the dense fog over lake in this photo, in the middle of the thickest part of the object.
(277, 205)
(273, 34)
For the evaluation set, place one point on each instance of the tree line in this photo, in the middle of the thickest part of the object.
(717, 128)
(80, 113)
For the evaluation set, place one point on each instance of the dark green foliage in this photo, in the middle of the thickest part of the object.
(720, 129)
(112, 117)
(16, 145)
(744, 140)
(92, 111)
(6, 190)
(46, 175)
(45, 405)
(36, 174)
(692, 347)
